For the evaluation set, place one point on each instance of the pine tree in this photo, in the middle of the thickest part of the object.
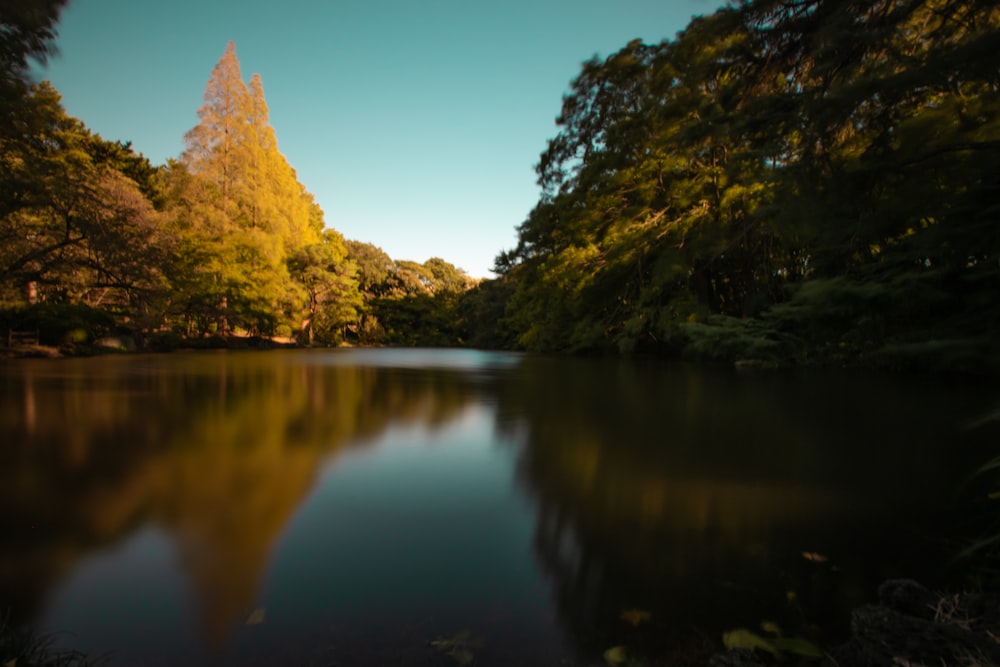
(218, 148)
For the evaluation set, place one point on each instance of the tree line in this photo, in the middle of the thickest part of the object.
(784, 181)
(223, 240)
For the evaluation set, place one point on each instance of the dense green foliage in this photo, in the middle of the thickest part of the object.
(407, 303)
(785, 182)
(808, 180)
(97, 241)
(75, 227)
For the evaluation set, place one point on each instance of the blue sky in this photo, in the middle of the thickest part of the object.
(416, 124)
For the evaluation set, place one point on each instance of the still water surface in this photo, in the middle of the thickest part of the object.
(352, 507)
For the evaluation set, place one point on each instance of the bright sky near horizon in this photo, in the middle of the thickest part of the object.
(416, 125)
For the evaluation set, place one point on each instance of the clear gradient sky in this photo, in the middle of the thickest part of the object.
(415, 123)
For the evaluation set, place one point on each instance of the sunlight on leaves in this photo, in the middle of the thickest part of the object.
(635, 616)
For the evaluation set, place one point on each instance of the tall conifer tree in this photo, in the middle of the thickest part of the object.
(217, 148)
(245, 204)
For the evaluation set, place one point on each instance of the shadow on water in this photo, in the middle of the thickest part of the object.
(552, 507)
(714, 500)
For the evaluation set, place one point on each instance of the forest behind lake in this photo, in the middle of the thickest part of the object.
(782, 183)
(803, 185)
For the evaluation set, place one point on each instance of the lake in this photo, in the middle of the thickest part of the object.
(445, 507)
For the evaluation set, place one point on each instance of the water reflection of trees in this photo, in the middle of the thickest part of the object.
(219, 449)
(693, 494)
(688, 493)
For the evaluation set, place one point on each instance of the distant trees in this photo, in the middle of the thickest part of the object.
(224, 239)
(406, 303)
(783, 180)
(329, 279)
(804, 181)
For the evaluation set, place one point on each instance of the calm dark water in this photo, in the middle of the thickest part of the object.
(353, 507)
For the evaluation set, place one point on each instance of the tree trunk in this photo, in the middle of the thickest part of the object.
(223, 322)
